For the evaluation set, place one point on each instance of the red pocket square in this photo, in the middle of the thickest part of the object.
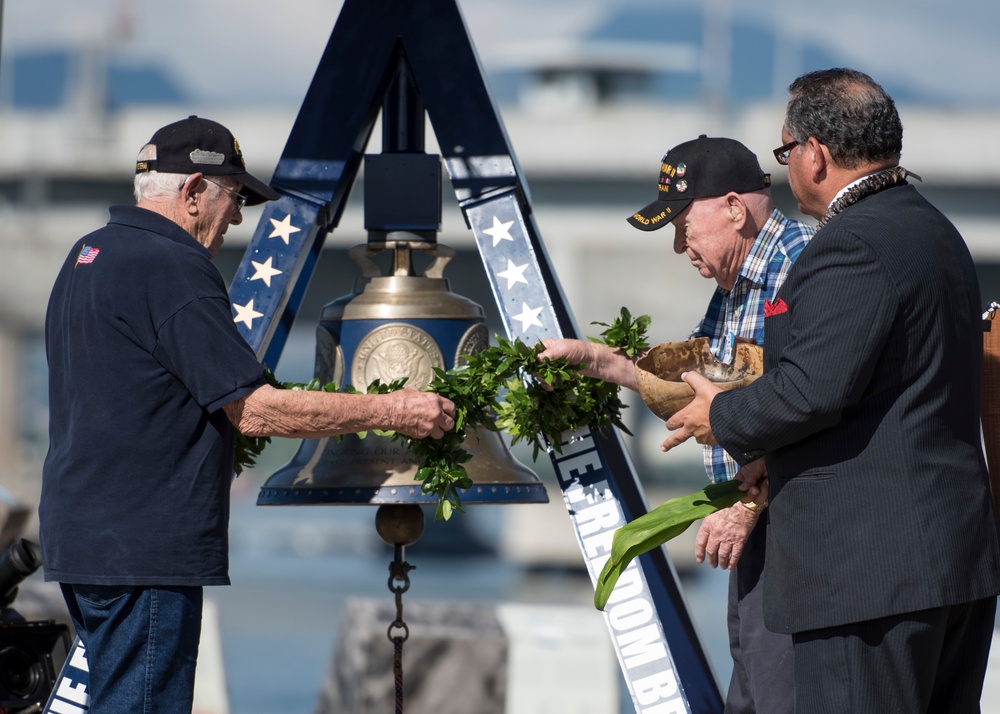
(774, 308)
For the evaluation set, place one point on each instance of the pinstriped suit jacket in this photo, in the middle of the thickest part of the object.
(868, 413)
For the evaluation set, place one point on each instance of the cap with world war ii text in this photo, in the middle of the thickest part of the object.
(197, 145)
(702, 168)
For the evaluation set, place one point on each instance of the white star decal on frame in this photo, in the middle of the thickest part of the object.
(283, 229)
(246, 314)
(499, 231)
(528, 317)
(514, 274)
(264, 271)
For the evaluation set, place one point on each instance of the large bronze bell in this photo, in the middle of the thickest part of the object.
(397, 323)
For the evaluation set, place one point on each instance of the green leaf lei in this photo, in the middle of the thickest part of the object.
(626, 334)
(507, 387)
(503, 387)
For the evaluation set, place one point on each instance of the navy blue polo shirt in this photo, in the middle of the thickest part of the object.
(143, 353)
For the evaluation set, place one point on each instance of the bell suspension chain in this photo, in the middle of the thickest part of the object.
(399, 583)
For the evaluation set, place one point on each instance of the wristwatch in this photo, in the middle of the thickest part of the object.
(752, 506)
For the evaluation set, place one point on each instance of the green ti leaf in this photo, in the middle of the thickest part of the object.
(655, 528)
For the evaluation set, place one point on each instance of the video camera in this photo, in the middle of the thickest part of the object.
(31, 653)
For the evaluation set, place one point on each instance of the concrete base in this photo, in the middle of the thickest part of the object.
(454, 661)
(560, 660)
(464, 658)
(210, 695)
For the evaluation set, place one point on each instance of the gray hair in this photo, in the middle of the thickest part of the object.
(154, 185)
(849, 113)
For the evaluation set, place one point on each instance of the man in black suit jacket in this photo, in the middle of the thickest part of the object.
(882, 555)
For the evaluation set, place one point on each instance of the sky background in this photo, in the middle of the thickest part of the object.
(261, 52)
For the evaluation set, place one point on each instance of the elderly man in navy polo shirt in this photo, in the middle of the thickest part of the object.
(148, 381)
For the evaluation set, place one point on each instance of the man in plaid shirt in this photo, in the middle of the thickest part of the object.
(714, 193)
(737, 314)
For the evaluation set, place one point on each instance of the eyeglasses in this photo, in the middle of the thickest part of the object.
(782, 152)
(238, 198)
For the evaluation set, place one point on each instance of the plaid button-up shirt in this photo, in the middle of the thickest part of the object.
(740, 312)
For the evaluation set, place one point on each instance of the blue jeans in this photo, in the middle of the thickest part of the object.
(142, 644)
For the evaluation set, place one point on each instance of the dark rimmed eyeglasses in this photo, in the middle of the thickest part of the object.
(238, 198)
(782, 153)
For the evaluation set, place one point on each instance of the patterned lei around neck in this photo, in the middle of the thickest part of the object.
(873, 184)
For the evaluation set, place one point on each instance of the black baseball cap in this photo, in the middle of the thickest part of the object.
(702, 168)
(196, 145)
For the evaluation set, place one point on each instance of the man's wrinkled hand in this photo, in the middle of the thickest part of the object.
(752, 474)
(573, 351)
(422, 414)
(722, 536)
(693, 420)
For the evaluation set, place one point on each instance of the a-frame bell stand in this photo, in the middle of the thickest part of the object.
(660, 653)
